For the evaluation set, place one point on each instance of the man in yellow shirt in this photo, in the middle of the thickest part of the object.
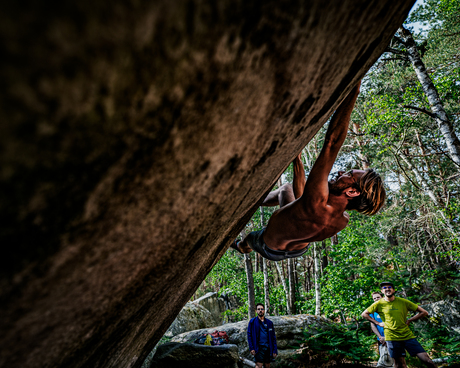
(399, 337)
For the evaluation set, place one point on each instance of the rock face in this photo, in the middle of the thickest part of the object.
(191, 317)
(213, 304)
(288, 329)
(137, 138)
(176, 355)
(204, 312)
(446, 313)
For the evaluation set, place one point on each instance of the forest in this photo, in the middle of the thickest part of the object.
(406, 125)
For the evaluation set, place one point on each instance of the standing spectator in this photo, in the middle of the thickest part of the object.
(376, 296)
(398, 336)
(262, 338)
(382, 345)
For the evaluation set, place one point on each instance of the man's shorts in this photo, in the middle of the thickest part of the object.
(397, 349)
(263, 355)
(256, 242)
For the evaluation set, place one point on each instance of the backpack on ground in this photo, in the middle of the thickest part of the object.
(217, 341)
(202, 339)
(215, 338)
(221, 334)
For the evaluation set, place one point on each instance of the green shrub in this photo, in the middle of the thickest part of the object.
(337, 343)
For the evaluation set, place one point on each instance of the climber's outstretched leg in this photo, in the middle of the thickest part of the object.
(287, 193)
(298, 183)
(281, 196)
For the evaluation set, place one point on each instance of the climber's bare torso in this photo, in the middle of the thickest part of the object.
(305, 226)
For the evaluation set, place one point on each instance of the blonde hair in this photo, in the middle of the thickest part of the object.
(372, 196)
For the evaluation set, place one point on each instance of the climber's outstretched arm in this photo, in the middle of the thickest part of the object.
(316, 191)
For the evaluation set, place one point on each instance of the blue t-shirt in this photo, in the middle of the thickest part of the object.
(263, 337)
(378, 319)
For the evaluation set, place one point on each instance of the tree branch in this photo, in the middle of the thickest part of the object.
(404, 171)
(400, 40)
(396, 51)
(453, 176)
(429, 113)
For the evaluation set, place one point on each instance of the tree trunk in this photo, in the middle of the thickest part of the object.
(283, 282)
(250, 282)
(324, 260)
(265, 269)
(445, 125)
(317, 255)
(334, 243)
(266, 286)
(291, 273)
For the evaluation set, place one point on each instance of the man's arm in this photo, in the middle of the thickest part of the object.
(335, 136)
(421, 313)
(251, 347)
(376, 331)
(367, 316)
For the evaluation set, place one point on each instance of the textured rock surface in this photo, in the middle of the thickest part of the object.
(177, 355)
(289, 330)
(191, 317)
(213, 304)
(137, 138)
(445, 312)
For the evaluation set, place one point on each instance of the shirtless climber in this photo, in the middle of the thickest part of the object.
(314, 209)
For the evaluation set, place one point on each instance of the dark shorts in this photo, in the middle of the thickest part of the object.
(263, 355)
(255, 240)
(398, 349)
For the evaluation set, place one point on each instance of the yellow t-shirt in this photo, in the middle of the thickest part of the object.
(394, 315)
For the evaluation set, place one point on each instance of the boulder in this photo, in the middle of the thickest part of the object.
(285, 359)
(445, 312)
(180, 355)
(138, 138)
(214, 304)
(191, 317)
(231, 301)
(289, 331)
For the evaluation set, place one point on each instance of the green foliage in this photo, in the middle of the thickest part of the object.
(438, 340)
(340, 344)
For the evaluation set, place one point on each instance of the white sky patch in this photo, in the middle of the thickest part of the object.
(419, 27)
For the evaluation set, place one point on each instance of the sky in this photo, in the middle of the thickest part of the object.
(417, 25)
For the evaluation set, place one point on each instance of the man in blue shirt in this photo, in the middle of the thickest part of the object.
(376, 328)
(262, 338)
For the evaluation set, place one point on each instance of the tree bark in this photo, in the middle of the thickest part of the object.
(324, 260)
(266, 286)
(317, 255)
(250, 282)
(292, 284)
(445, 125)
(265, 269)
(283, 282)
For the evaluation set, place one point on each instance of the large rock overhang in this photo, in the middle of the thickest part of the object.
(137, 139)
